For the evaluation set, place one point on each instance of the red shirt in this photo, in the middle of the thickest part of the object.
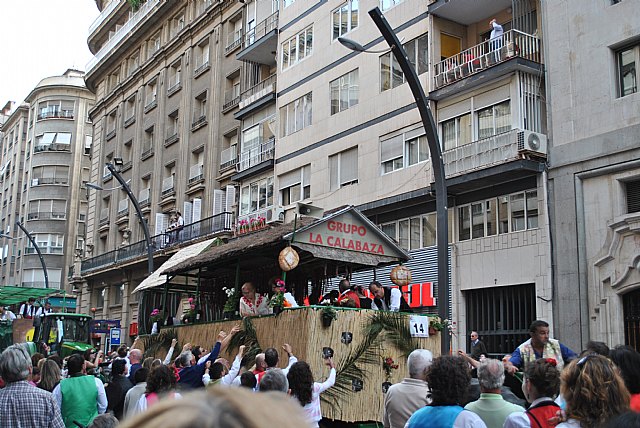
(350, 294)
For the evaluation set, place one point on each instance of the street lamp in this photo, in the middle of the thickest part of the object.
(37, 248)
(124, 185)
(440, 185)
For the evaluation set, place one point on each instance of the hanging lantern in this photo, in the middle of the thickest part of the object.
(400, 275)
(288, 259)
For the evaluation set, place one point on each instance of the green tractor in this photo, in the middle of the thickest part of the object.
(64, 333)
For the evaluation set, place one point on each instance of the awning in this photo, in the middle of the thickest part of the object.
(158, 278)
(12, 295)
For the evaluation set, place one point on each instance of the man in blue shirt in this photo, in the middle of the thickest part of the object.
(540, 345)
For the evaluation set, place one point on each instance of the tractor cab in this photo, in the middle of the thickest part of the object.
(64, 333)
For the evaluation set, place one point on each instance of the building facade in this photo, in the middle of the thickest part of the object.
(594, 173)
(45, 158)
(281, 112)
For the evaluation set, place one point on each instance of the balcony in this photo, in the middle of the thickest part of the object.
(228, 158)
(204, 66)
(49, 180)
(196, 175)
(45, 249)
(110, 135)
(171, 139)
(516, 51)
(103, 15)
(234, 41)
(198, 122)
(44, 215)
(55, 114)
(106, 174)
(220, 223)
(123, 208)
(260, 42)
(51, 148)
(257, 97)
(103, 220)
(168, 188)
(122, 32)
(40, 284)
(255, 160)
(231, 99)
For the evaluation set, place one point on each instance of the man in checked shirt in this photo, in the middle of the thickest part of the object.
(23, 405)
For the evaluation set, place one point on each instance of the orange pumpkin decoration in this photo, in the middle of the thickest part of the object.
(288, 259)
(400, 275)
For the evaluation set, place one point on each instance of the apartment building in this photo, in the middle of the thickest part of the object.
(594, 174)
(167, 85)
(45, 157)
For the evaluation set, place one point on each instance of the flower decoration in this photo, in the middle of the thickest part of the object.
(388, 365)
(155, 316)
(438, 325)
(243, 226)
(233, 299)
(551, 361)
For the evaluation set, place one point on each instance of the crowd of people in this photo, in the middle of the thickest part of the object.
(598, 388)
(40, 391)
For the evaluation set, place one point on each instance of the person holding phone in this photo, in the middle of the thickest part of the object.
(306, 391)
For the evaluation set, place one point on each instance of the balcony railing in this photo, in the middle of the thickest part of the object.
(233, 41)
(263, 28)
(168, 186)
(512, 44)
(231, 98)
(229, 157)
(123, 207)
(202, 229)
(196, 174)
(204, 64)
(49, 180)
(104, 217)
(55, 147)
(144, 197)
(103, 15)
(198, 122)
(173, 138)
(481, 154)
(40, 284)
(57, 114)
(44, 215)
(147, 153)
(122, 32)
(263, 152)
(259, 90)
(45, 249)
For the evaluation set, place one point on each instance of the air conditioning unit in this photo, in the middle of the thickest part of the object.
(532, 142)
(275, 215)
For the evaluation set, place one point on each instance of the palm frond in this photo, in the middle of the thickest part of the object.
(155, 342)
(248, 337)
(396, 330)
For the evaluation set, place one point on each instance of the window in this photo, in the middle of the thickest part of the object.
(391, 76)
(153, 45)
(52, 141)
(133, 63)
(344, 92)
(130, 111)
(295, 185)
(100, 297)
(343, 168)
(494, 120)
(47, 209)
(55, 109)
(628, 70)
(256, 196)
(111, 125)
(200, 109)
(151, 93)
(296, 115)
(513, 213)
(48, 243)
(288, 2)
(403, 150)
(344, 18)
(177, 25)
(174, 77)
(50, 174)
(413, 233)
(388, 4)
(297, 48)
(456, 132)
(201, 57)
(114, 79)
(147, 146)
(173, 121)
(632, 193)
(88, 141)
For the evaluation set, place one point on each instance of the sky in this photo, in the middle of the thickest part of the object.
(41, 38)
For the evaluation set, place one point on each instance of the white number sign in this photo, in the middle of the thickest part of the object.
(419, 325)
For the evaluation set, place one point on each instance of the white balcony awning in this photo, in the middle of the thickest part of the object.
(158, 278)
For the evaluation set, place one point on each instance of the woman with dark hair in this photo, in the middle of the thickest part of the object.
(49, 375)
(448, 378)
(306, 391)
(594, 392)
(540, 386)
(160, 383)
(628, 361)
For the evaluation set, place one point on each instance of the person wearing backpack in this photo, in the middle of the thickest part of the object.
(540, 386)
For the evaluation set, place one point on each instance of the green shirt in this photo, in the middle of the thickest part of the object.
(493, 409)
(79, 400)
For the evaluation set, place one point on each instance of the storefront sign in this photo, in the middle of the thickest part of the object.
(103, 326)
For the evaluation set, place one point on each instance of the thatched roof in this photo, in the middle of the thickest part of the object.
(266, 239)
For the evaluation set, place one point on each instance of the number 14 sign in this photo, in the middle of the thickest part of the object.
(419, 325)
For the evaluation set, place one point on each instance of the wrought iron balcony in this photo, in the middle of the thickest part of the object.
(219, 223)
(255, 156)
(258, 91)
(234, 40)
(228, 157)
(260, 42)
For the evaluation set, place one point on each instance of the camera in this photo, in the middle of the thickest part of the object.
(327, 352)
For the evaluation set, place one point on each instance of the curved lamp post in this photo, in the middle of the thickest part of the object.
(435, 152)
(37, 247)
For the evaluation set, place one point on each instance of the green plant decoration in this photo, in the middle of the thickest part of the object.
(248, 337)
(135, 4)
(155, 342)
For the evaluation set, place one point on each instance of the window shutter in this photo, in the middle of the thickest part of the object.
(63, 138)
(333, 172)
(633, 196)
(196, 212)
(290, 178)
(230, 199)
(187, 212)
(162, 222)
(391, 148)
(349, 166)
(306, 175)
(218, 201)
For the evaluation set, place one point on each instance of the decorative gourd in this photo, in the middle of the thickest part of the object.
(288, 259)
(400, 275)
